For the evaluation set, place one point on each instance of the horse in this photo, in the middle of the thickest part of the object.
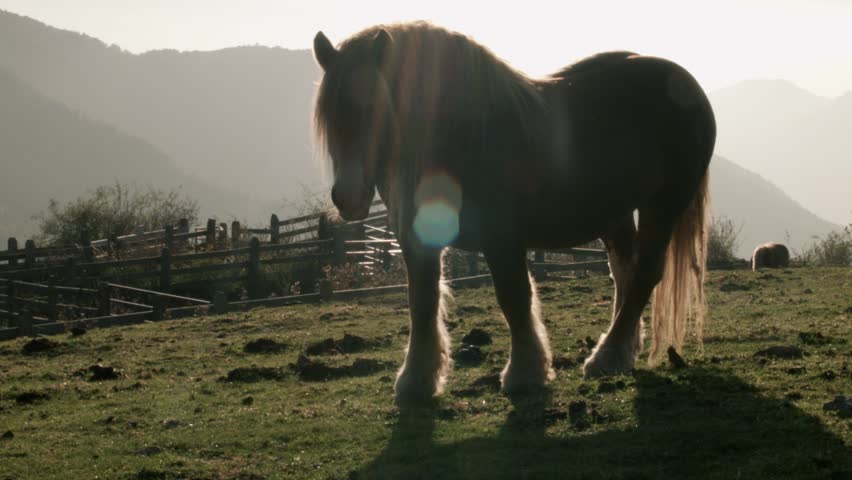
(468, 152)
(770, 255)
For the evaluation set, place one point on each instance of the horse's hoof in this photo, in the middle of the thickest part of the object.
(521, 381)
(413, 389)
(606, 362)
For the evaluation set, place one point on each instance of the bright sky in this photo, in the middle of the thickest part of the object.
(808, 42)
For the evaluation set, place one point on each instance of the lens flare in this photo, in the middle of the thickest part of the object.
(438, 201)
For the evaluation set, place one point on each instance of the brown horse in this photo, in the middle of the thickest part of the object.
(770, 255)
(466, 151)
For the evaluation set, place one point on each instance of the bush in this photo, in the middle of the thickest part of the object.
(113, 210)
(722, 240)
(833, 249)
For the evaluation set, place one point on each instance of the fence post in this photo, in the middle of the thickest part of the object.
(220, 302)
(51, 298)
(472, 264)
(168, 236)
(165, 270)
(323, 227)
(159, 305)
(86, 242)
(223, 234)
(210, 238)
(29, 251)
(386, 256)
(274, 225)
(70, 271)
(235, 234)
(253, 280)
(10, 295)
(104, 300)
(338, 246)
(12, 245)
(25, 323)
(183, 225)
(326, 289)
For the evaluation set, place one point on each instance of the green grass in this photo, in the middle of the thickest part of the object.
(729, 415)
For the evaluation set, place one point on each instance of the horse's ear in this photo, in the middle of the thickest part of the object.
(382, 43)
(324, 51)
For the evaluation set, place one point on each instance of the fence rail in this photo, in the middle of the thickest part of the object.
(105, 282)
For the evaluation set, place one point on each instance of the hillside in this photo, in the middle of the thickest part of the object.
(237, 117)
(194, 400)
(795, 139)
(763, 210)
(50, 151)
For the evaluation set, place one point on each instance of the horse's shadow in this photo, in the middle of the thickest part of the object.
(703, 425)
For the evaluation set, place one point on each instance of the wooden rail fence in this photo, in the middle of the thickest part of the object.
(49, 289)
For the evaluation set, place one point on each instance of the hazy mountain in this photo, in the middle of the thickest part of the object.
(795, 139)
(764, 211)
(50, 151)
(237, 117)
(241, 117)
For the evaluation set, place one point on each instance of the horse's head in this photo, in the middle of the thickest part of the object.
(353, 117)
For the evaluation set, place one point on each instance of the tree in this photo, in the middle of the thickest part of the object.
(722, 240)
(113, 210)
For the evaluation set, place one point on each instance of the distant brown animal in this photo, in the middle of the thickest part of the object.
(770, 255)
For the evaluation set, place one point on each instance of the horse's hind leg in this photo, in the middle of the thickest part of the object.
(616, 351)
(530, 359)
(622, 251)
(427, 359)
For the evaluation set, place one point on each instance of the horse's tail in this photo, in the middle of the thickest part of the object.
(680, 294)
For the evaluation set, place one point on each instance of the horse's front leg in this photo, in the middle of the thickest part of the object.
(530, 360)
(427, 359)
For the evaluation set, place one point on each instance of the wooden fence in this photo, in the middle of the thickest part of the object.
(55, 286)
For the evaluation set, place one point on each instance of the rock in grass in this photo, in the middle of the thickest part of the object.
(781, 351)
(38, 345)
(675, 359)
(478, 337)
(7, 435)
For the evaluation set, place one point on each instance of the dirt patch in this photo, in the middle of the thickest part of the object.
(39, 345)
(77, 331)
(477, 336)
(347, 344)
(98, 372)
(784, 352)
(254, 374)
(310, 370)
(563, 363)
(841, 404)
(31, 397)
(264, 345)
(469, 355)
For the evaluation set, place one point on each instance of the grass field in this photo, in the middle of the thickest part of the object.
(190, 402)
